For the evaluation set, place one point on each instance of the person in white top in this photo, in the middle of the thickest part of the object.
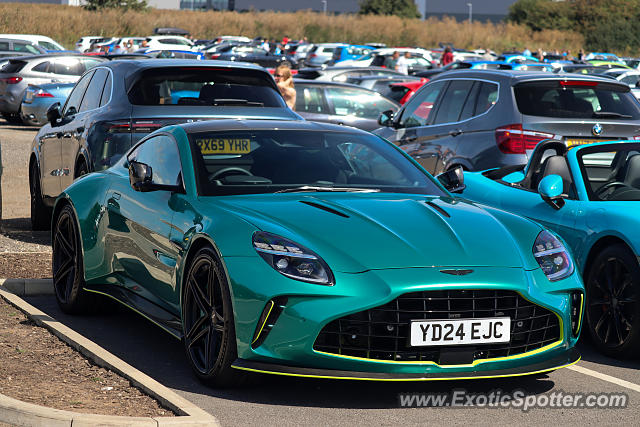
(402, 65)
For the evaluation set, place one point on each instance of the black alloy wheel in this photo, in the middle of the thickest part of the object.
(67, 266)
(40, 214)
(612, 308)
(207, 320)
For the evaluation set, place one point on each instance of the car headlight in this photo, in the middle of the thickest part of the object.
(291, 259)
(552, 256)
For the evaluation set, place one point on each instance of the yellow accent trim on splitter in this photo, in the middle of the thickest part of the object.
(137, 311)
(405, 379)
(264, 322)
(468, 365)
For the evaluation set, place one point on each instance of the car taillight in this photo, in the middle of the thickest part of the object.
(42, 94)
(313, 55)
(635, 137)
(577, 83)
(512, 139)
(215, 56)
(11, 80)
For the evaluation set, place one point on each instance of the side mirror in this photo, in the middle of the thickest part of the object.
(386, 118)
(53, 114)
(550, 189)
(140, 176)
(141, 179)
(453, 180)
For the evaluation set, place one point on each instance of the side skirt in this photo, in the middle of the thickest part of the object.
(157, 315)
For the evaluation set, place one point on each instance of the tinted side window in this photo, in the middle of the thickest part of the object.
(106, 92)
(89, 63)
(453, 101)
(91, 99)
(487, 96)
(4, 46)
(310, 100)
(470, 104)
(419, 107)
(42, 67)
(76, 95)
(161, 153)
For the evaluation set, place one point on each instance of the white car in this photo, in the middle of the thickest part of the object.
(44, 42)
(84, 44)
(365, 61)
(169, 43)
(625, 75)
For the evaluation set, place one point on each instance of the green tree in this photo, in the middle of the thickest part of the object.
(116, 4)
(543, 14)
(401, 8)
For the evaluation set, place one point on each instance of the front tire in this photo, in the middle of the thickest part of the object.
(207, 321)
(40, 214)
(612, 309)
(67, 264)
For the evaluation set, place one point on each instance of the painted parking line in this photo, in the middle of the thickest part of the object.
(605, 377)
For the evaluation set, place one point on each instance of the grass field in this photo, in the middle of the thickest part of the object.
(67, 24)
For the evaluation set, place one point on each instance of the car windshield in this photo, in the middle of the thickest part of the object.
(270, 161)
(612, 174)
(205, 86)
(576, 99)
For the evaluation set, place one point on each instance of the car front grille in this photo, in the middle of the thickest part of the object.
(382, 333)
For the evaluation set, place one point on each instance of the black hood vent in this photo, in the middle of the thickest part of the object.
(324, 208)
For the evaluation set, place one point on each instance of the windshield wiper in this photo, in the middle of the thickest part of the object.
(613, 114)
(311, 189)
(231, 101)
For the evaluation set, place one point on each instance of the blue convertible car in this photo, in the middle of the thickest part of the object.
(589, 196)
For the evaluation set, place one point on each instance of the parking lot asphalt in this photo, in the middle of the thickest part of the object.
(290, 401)
(275, 400)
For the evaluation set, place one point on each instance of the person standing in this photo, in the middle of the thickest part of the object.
(392, 60)
(284, 80)
(402, 66)
(447, 57)
(526, 52)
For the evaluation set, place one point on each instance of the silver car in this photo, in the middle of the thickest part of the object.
(19, 73)
(321, 54)
(490, 118)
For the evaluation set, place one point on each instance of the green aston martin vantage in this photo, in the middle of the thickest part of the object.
(304, 249)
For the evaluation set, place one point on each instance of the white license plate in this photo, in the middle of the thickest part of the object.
(460, 331)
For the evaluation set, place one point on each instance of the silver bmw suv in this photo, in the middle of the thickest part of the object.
(491, 118)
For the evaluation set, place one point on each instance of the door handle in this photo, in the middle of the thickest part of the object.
(455, 132)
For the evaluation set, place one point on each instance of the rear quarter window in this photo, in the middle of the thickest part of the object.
(581, 100)
(14, 67)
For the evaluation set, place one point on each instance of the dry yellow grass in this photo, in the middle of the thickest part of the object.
(67, 24)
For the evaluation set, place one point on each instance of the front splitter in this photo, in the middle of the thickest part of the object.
(569, 358)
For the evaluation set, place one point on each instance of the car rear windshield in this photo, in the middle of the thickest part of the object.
(14, 66)
(576, 99)
(268, 161)
(204, 86)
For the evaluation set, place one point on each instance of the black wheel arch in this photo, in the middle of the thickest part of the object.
(600, 245)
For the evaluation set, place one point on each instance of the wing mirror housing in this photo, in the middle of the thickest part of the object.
(453, 180)
(386, 118)
(550, 189)
(141, 179)
(54, 114)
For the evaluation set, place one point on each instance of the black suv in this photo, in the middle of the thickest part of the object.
(114, 105)
(491, 118)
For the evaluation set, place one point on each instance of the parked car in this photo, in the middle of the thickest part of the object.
(169, 43)
(320, 54)
(345, 53)
(44, 42)
(84, 43)
(403, 91)
(466, 65)
(302, 249)
(114, 105)
(380, 84)
(589, 196)
(343, 74)
(254, 55)
(487, 119)
(38, 98)
(340, 103)
(301, 52)
(19, 47)
(21, 72)
(378, 56)
(630, 77)
(174, 54)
